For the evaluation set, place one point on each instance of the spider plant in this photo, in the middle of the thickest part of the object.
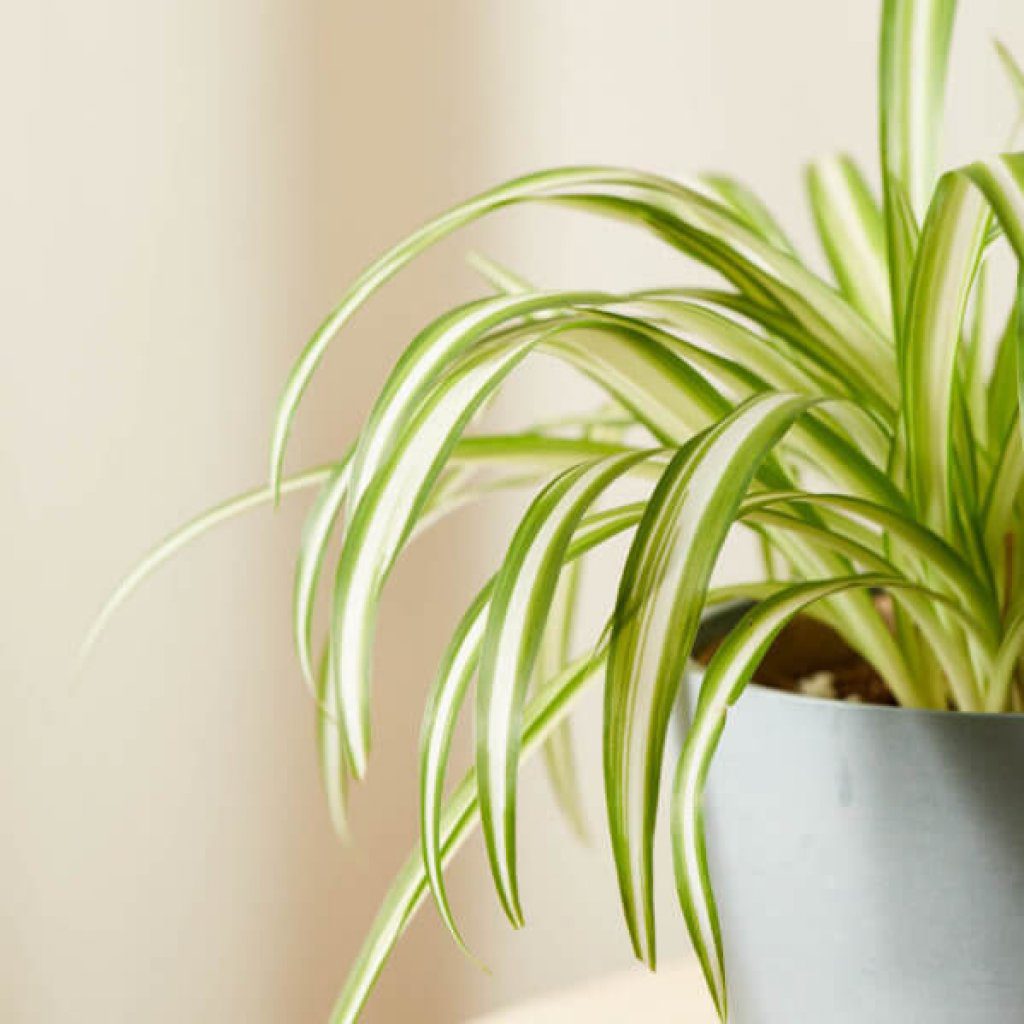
(866, 425)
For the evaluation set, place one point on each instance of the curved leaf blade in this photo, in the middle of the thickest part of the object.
(913, 61)
(451, 685)
(724, 679)
(948, 257)
(852, 233)
(424, 361)
(550, 705)
(190, 531)
(383, 519)
(751, 209)
(391, 262)
(658, 608)
(520, 603)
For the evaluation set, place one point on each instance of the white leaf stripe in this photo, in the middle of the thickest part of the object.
(395, 496)
(550, 705)
(381, 522)
(450, 687)
(523, 593)
(657, 611)
(724, 679)
(334, 772)
(914, 57)
(195, 528)
(852, 233)
(688, 219)
(948, 256)
(750, 208)
(530, 453)
(316, 532)
(396, 258)
(458, 667)
(837, 333)
(425, 360)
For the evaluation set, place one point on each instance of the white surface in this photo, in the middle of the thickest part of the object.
(673, 994)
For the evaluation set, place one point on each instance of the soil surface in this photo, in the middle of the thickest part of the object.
(810, 658)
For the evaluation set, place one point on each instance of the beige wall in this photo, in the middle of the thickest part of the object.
(186, 185)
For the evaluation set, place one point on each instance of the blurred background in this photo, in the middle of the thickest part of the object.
(187, 185)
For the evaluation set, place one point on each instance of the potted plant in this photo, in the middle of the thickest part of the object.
(868, 428)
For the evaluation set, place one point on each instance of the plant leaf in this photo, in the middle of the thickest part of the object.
(903, 531)
(554, 654)
(424, 360)
(447, 696)
(852, 233)
(545, 710)
(1006, 663)
(497, 275)
(334, 770)
(686, 219)
(316, 532)
(397, 494)
(904, 234)
(1016, 77)
(838, 335)
(520, 604)
(948, 257)
(185, 534)
(724, 679)
(384, 518)
(1001, 386)
(383, 269)
(660, 598)
(913, 60)
(750, 208)
(451, 685)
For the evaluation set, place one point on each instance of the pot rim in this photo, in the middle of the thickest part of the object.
(717, 621)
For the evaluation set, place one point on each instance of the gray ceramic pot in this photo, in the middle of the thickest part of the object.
(868, 863)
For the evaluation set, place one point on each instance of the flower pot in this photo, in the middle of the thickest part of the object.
(868, 862)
